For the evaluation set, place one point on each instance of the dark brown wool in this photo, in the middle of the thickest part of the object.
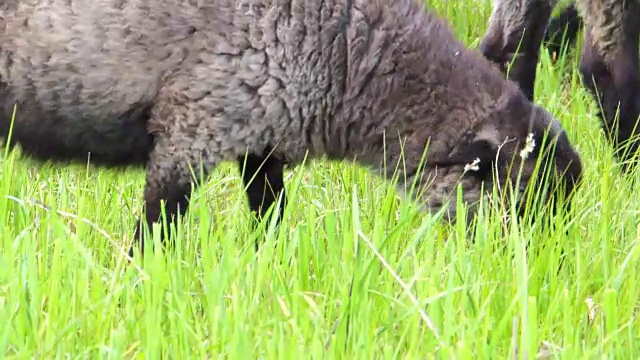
(180, 86)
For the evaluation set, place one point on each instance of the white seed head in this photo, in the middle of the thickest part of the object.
(528, 146)
(472, 166)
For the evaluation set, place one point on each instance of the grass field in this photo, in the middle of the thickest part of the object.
(353, 272)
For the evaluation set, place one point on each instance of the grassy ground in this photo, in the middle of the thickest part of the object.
(354, 272)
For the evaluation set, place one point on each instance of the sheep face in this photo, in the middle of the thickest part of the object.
(544, 162)
(535, 162)
(539, 166)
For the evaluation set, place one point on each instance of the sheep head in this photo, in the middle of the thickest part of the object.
(520, 150)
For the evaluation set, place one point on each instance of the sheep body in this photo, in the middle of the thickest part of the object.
(84, 77)
(609, 59)
(182, 86)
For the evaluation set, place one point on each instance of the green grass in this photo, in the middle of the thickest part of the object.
(353, 272)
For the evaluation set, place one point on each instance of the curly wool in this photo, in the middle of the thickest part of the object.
(182, 86)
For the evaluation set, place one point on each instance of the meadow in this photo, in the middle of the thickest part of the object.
(354, 271)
